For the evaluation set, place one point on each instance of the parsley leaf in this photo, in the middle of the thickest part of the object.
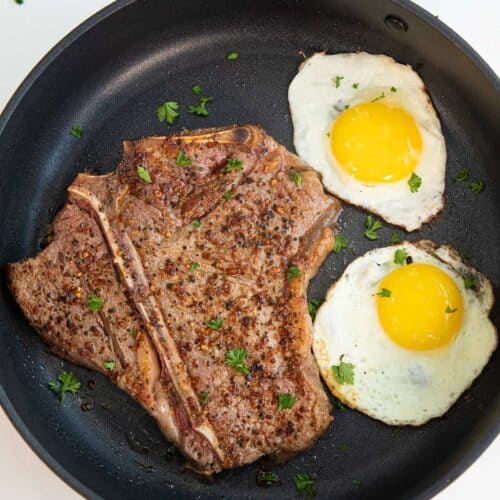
(235, 358)
(19, 2)
(109, 365)
(196, 224)
(133, 332)
(395, 239)
(183, 160)
(469, 282)
(344, 447)
(355, 85)
(340, 243)
(477, 186)
(449, 310)
(233, 164)
(381, 96)
(168, 112)
(143, 174)
(384, 292)
(194, 266)
(268, 478)
(204, 398)
(337, 81)
(394, 89)
(94, 303)
(293, 272)
(68, 383)
(214, 324)
(201, 109)
(227, 195)
(372, 226)
(344, 372)
(356, 482)
(232, 56)
(304, 485)
(313, 306)
(400, 256)
(76, 131)
(462, 175)
(414, 182)
(285, 401)
(347, 106)
(197, 90)
(296, 177)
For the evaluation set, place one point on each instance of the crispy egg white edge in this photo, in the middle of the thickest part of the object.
(479, 301)
(392, 201)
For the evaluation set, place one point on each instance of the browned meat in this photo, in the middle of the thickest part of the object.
(180, 299)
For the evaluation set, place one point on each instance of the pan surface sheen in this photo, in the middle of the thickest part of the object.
(109, 76)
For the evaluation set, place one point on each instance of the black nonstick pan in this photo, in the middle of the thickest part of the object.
(109, 76)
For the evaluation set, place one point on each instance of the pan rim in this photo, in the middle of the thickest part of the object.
(472, 450)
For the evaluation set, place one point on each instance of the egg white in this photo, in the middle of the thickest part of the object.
(315, 102)
(396, 385)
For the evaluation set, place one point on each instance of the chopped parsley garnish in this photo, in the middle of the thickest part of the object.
(344, 447)
(313, 306)
(68, 383)
(94, 303)
(347, 106)
(233, 165)
(414, 182)
(285, 401)
(296, 177)
(197, 90)
(232, 56)
(227, 195)
(355, 85)
(462, 175)
(394, 89)
(143, 174)
(372, 226)
(469, 282)
(394, 239)
(293, 272)
(304, 485)
(196, 224)
(477, 186)
(133, 332)
(183, 160)
(235, 358)
(214, 324)
(109, 365)
(76, 131)
(201, 109)
(19, 2)
(194, 266)
(339, 405)
(384, 292)
(400, 256)
(344, 372)
(167, 112)
(340, 243)
(449, 310)
(356, 482)
(337, 81)
(268, 478)
(204, 398)
(381, 96)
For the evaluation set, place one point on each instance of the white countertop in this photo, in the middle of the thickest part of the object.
(27, 32)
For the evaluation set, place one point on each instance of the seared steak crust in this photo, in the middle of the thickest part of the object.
(134, 244)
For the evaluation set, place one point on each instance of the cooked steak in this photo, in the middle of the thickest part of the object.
(202, 269)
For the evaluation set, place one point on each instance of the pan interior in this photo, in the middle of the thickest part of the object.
(110, 80)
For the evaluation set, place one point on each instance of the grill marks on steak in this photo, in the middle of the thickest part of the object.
(133, 244)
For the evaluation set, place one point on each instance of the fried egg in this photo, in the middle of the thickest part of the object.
(404, 332)
(367, 124)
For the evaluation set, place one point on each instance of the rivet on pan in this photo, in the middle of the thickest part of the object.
(395, 23)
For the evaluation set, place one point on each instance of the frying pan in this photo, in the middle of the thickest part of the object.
(108, 76)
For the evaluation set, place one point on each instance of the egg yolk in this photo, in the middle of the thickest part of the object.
(424, 309)
(376, 142)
